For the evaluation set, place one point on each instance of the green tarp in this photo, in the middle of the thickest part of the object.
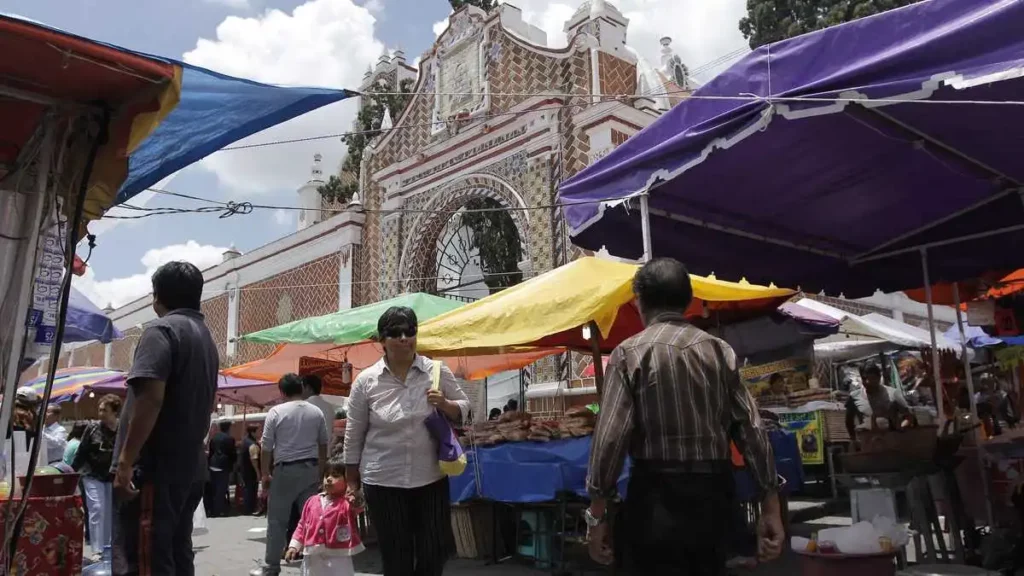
(350, 326)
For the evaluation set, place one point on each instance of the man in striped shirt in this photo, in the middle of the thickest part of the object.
(672, 401)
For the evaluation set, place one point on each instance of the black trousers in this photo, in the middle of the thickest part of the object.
(414, 527)
(676, 522)
(218, 505)
(153, 531)
(250, 494)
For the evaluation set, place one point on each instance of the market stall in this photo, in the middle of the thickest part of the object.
(585, 306)
(88, 125)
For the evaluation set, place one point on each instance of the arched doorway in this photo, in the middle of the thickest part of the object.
(467, 243)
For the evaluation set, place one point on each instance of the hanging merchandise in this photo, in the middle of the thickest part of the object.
(42, 316)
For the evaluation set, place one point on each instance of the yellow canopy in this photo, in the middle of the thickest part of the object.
(550, 310)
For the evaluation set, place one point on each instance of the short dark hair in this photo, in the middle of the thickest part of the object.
(871, 369)
(663, 285)
(335, 467)
(313, 382)
(178, 285)
(252, 429)
(394, 317)
(112, 401)
(290, 385)
(495, 412)
(513, 404)
(225, 426)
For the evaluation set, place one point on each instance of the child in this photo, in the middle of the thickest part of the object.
(327, 534)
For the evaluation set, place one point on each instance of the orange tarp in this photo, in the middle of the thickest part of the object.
(362, 355)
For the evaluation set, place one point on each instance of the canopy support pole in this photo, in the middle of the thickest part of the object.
(595, 352)
(645, 223)
(974, 403)
(21, 285)
(936, 369)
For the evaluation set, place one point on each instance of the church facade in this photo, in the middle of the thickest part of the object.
(495, 116)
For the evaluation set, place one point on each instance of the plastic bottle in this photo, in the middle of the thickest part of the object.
(101, 568)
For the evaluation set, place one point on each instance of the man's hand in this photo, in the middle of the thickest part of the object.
(123, 482)
(600, 545)
(266, 482)
(770, 532)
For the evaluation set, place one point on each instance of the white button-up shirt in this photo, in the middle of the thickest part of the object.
(385, 434)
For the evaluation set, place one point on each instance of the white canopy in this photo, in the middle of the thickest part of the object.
(871, 333)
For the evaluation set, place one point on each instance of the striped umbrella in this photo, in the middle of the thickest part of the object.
(69, 383)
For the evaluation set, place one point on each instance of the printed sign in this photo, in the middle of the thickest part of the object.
(777, 378)
(807, 427)
(46, 285)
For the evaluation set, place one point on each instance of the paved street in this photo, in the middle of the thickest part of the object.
(235, 545)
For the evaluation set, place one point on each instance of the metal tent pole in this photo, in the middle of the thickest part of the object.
(645, 224)
(21, 285)
(595, 353)
(936, 370)
(974, 403)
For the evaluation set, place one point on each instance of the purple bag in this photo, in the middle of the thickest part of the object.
(450, 456)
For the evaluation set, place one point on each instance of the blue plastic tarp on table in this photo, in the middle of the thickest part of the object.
(531, 472)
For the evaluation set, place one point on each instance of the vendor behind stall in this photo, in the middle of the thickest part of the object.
(875, 402)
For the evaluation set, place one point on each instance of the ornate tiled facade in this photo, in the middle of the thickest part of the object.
(516, 116)
(307, 290)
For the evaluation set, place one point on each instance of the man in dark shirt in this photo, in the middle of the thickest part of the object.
(249, 469)
(222, 459)
(672, 400)
(161, 464)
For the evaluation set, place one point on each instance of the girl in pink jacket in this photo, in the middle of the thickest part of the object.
(328, 535)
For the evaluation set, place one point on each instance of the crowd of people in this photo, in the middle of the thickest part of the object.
(672, 401)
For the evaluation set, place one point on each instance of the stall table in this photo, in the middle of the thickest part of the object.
(50, 543)
(553, 475)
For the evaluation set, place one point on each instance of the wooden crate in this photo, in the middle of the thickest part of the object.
(835, 426)
(473, 526)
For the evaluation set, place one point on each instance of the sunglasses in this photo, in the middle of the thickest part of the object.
(400, 332)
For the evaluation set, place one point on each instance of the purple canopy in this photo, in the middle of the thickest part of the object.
(229, 389)
(766, 184)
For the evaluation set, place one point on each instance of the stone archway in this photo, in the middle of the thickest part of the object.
(419, 255)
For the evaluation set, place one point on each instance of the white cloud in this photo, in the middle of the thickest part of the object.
(440, 26)
(235, 4)
(121, 291)
(283, 217)
(321, 43)
(702, 30)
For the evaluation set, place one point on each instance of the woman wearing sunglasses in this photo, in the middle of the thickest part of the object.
(391, 457)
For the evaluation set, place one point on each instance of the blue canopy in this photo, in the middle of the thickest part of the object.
(828, 161)
(213, 111)
(86, 322)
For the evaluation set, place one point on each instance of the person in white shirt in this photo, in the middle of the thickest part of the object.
(311, 388)
(391, 455)
(293, 460)
(56, 435)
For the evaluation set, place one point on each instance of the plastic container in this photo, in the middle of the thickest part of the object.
(881, 564)
(102, 568)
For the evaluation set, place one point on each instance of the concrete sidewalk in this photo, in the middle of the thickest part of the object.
(235, 546)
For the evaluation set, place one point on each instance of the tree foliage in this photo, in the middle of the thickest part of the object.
(334, 191)
(486, 5)
(496, 236)
(773, 20)
(382, 95)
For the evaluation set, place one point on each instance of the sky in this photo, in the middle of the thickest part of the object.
(326, 43)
